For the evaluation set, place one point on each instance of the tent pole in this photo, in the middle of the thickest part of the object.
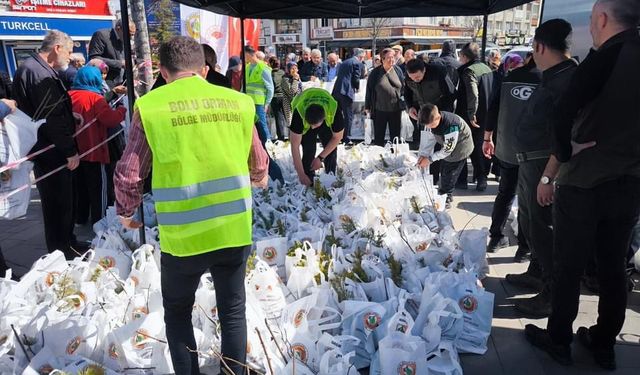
(128, 62)
(485, 20)
(242, 55)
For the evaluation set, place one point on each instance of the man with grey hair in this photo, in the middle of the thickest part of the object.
(596, 202)
(107, 44)
(333, 63)
(344, 90)
(76, 61)
(41, 94)
(316, 70)
(306, 58)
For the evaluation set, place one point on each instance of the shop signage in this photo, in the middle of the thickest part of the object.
(11, 27)
(364, 34)
(322, 33)
(285, 38)
(429, 32)
(79, 7)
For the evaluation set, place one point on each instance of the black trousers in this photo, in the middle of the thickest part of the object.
(449, 172)
(91, 187)
(309, 144)
(180, 277)
(504, 199)
(346, 105)
(277, 109)
(481, 165)
(380, 122)
(57, 200)
(600, 220)
(537, 223)
(3, 265)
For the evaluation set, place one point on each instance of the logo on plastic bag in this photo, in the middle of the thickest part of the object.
(407, 368)
(372, 321)
(468, 303)
(300, 352)
(139, 312)
(45, 369)
(139, 340)
(422, 246)
(402, 327)
(73, 345)
(269, 253)
(107, 262)
(51, 278)
(297, 319)
(113, 351)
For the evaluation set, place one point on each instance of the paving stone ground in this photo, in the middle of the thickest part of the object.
(508, 352)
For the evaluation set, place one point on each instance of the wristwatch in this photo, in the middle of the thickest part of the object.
(544, 180)
(321, 158)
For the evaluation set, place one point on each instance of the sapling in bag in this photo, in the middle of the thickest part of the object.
(18, 135)
(427, 143)
(474, 249)
(263, 283)
(476, 305)
(273, 251)
(361, 320)
(406, 129)
(402, 354)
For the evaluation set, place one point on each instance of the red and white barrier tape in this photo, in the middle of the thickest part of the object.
(25, 186)
(51, 146)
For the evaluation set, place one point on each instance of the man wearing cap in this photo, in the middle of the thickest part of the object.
(234, 73)
(344, 90)
(316, 117)
(397, 49)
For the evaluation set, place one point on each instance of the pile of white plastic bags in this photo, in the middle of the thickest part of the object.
(364, 270)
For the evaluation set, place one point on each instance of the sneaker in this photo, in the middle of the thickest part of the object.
(481, 185)
(538, 306)
(605, 358)
(496, 243)
(524, 280)
(540, 338)
(522, 255)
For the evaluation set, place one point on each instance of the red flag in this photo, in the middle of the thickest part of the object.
(251, 35)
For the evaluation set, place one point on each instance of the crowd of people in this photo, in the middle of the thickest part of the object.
(539, 123)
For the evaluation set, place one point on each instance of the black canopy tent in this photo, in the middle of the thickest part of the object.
(308, 9)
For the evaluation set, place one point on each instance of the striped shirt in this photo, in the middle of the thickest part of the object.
(135, 164)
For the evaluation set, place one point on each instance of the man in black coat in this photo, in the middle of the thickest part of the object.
(449, 58)
(41, 94)
(474, 95)
(596, 202)
(107, 45)
(344, 90)
(507, 109)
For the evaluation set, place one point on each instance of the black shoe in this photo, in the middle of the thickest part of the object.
(447, 203)
(538, 306)
(605, 358)
(540, 338)
(524, 280)
(496, 243)
(481, 185)
(522, 255)
(591, 283)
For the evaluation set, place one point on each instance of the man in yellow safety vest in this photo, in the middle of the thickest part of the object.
(316, 116)
(206, 155)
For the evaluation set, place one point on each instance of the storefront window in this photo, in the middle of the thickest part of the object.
(288, 26)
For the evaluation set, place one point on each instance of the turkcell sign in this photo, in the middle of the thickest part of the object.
(38, 26)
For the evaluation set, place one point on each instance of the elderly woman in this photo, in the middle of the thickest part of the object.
(384, 99)
(291, 86)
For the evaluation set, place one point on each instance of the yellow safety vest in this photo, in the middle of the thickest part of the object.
(256, 88)
(200, 137)
(315, 96)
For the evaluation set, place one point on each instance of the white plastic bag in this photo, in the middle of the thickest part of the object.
(18, 134)
(368, 130)
(402, 354)
(427, 143)
(273, 251)
(474, 249)
(400, 147)
(16, 205)
(406, 129)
